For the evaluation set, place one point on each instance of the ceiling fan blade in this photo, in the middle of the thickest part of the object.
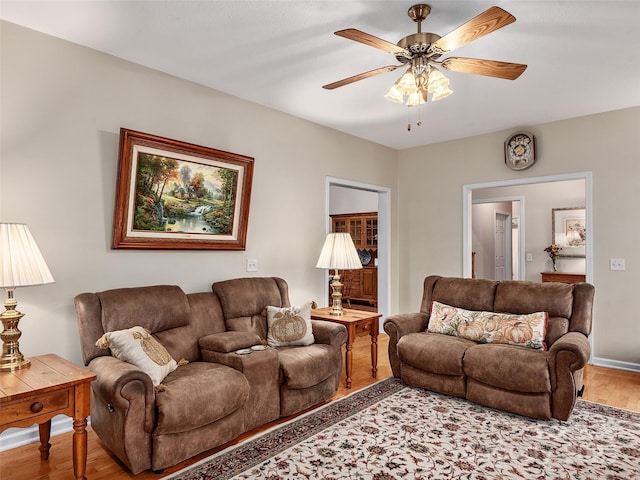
(489, 68)
(361, 76)
(362, 37)
(487, 22)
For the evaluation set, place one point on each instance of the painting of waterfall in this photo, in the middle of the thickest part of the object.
(176, 195)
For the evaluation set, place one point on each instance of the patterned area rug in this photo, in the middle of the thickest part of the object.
(391, 431)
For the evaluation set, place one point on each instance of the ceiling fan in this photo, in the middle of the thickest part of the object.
(422, 52)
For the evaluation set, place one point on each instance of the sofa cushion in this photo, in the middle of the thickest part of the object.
(155, 308)
(304, 367)
(509, 368)
(197, 394)
(526, 297)
(556, 328)
(289, 326)
(490, 327)
(433, 352)
(469, 293)
(136, 346)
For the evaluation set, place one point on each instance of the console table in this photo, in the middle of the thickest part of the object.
(50, 386)
(358, 322)
(564, 277)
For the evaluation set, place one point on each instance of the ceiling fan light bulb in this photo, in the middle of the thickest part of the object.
(441, 93)
(415, 99)
(438, 85)
(436, 80)
(394, 95)
(407, 83)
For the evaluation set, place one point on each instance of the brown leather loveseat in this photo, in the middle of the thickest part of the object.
(539, 383)
(215, 394)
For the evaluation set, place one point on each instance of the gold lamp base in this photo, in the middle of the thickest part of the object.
(336, 295)
(11, 358)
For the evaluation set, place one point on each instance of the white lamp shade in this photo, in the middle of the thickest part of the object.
(21, 262)
(339, 252)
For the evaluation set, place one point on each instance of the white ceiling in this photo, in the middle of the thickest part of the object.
(583, 57)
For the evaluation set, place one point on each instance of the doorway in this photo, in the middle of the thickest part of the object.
(491, 190)
(384, 234)
(484, 244)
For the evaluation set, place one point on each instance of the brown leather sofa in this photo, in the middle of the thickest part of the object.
(534, 383)
(218, 394)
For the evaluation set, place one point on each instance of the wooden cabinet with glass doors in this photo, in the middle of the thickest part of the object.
(360, 286)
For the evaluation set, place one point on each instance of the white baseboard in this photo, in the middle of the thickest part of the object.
(17, 437)
(605, 362)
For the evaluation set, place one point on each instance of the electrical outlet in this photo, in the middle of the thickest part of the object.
(616, 264)
(252, 265)
(529, 257)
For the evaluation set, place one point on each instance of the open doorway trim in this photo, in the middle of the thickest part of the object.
(467, 201)
(384, 236)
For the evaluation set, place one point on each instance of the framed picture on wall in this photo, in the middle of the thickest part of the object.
(176, 195)
(569, 231)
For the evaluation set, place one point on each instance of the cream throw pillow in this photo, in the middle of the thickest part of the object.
(137, 347)
(289, 326)
(490, 327)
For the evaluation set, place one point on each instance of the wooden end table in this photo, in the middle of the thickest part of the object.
(51, 386)
(358, 322)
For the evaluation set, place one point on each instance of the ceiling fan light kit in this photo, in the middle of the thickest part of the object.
(422, 51)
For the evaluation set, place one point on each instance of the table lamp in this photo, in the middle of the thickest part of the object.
(339, 253)
(21, 264)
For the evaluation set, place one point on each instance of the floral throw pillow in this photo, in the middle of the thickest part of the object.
(490, 327)
(289, 326)
(137, 347)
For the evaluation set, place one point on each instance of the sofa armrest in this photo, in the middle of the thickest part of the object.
(124, 387)
(329, 333)
(225, 342)
(404, 323)
(399, 325)
(577, 345)
(567, 357)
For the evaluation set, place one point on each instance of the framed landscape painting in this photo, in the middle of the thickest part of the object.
(569, 231)
(176, 195)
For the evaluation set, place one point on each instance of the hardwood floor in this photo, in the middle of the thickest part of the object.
(603, 385)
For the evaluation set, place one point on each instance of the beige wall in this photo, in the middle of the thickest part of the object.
(62, 108)
(430, 211)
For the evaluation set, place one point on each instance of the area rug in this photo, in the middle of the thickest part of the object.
(391, 431)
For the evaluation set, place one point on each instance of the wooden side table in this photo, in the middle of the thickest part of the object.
(51, 386)
(563, 277)
(358, 322)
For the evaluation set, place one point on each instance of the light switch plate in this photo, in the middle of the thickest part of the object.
(616, 264)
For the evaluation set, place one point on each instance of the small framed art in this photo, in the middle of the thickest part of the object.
(569, 231)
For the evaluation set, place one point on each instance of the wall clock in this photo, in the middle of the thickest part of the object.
(520, 151)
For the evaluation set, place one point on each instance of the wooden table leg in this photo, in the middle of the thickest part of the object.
(44, 430)
(79, 448)
(351, 334)
(82, 410)
(374, 348)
